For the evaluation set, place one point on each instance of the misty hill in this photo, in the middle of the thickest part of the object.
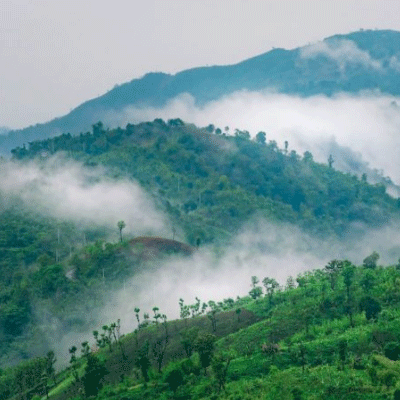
(211, 183)
(359, 61)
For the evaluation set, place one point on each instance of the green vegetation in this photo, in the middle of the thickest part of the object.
(303, 343)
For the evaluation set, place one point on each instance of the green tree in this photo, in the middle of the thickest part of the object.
(157, 315)
(210, 128)
(261, 138)
(348, 275)
(307, 157)
(121, 225)
(286, 147)
(367, 281)
(174, 376)
(256, 292)
(188, 339)
(331, 160)
(332, 270)
(254, 281)
(137, 311)
(371, 261)
(212, 314)
(159, 349)
(143, 361)
(238, 312)
(371, 307)
(74, 363)
(392, 351)
(270, 285)
(220, 364)
(242, 134)
(204, 345)
(184, 309)
(343, 352)
(93, 376)
(50, 363)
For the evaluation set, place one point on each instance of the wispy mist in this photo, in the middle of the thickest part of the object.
(356, 129)
(69, 191)
(343, 52)
(261, 249)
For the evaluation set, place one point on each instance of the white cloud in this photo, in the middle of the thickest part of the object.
(343, 52)
(261, 249)
(69, 191)
(368, 124)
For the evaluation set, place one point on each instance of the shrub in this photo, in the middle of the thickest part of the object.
(392, 351)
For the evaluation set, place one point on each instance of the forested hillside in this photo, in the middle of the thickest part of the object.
(210, 181)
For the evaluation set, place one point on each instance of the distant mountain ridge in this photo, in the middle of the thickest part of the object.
(359, 61)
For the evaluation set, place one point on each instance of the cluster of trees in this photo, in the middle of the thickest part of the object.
(29, 378)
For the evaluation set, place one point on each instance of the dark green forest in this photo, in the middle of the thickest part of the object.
(332, 332)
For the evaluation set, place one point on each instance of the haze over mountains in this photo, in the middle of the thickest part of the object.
(359, 62)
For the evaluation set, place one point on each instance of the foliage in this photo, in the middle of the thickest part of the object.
(93, 376)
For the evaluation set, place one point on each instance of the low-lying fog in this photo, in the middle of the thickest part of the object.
(66, 190)
(356, 129)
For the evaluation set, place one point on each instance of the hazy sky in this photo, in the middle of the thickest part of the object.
(55, 54)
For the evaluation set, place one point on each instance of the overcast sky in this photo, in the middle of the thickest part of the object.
(55, 54)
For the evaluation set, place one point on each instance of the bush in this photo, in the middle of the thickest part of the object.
(94, 374)
(392, 351)
(176, 373)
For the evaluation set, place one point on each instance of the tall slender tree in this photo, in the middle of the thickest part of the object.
(121, 225)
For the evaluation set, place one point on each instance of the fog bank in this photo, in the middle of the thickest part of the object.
(357, 129)
(67, 190)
